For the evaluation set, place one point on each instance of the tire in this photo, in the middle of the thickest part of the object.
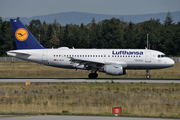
(93, 75)
(148, 76)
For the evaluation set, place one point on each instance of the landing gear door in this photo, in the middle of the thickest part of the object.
(148, 56)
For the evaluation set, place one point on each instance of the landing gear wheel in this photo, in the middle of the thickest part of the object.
(90, 76)
(93, 75)
(148, 76)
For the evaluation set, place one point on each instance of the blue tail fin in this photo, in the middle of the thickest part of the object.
(24, 38)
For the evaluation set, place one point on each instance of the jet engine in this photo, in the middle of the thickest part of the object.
(78, 66)
(114, 70)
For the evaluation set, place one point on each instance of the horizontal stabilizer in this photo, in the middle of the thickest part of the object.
(17, 53)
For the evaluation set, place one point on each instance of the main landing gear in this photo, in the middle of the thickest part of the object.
(147, 74)
(93, 74)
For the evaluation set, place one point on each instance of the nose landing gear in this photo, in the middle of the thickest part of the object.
(147, 74)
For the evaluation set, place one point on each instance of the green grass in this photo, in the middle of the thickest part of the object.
(29, 69)
(140, 99)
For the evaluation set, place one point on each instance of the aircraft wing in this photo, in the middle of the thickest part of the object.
(97, 63)
(85, 61)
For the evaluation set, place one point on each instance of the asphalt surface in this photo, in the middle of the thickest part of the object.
(81, 80)
(82, 118)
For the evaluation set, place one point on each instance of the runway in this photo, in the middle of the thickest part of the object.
(82, 118)
(81, 80)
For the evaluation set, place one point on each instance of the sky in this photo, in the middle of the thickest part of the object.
(30, 8)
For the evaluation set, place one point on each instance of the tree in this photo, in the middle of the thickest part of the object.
(34, 28)
(54, 42)
(6, 37)
(49, 36)
(129, 36)
(168, 20)
(112, 33)
(152, 28)
(167, 33)
(108, 33)
(176, 39)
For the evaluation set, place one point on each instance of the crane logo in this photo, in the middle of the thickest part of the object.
(21, 34)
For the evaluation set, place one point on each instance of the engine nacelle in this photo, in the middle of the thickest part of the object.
(77, 66)
(114, 70)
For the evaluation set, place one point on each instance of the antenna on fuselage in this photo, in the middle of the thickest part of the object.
(147, 41)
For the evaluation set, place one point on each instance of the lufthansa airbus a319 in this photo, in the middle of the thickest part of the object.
(110, 61)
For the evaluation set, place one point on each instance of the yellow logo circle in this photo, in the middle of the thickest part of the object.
(21, 34)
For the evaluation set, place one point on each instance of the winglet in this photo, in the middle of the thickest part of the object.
(23, 37)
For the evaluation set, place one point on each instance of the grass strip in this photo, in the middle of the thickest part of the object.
(138, 99)
(33, 70)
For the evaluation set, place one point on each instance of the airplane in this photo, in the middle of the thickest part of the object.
(111, 61)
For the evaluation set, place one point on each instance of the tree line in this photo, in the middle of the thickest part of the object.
(108, 33)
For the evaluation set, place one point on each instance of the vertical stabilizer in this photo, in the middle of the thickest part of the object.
(24, 38)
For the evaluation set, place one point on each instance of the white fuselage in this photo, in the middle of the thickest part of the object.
(128, 58)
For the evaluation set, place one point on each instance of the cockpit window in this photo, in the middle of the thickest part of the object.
(161, 56)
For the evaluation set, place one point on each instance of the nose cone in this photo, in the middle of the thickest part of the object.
(170, 62)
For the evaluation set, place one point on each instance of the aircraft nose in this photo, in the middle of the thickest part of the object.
(171, 62)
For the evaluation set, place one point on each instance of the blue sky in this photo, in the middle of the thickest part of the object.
(29, 8)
